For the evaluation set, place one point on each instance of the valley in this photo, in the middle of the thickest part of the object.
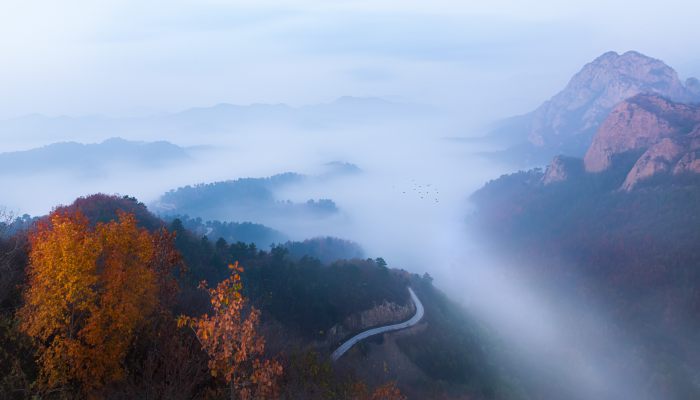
(349, 201)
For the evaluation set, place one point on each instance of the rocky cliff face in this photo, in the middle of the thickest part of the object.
(668, 134)
(656, 160)
(561, 168)
(578, 110)
(637, 124)
(676, 156)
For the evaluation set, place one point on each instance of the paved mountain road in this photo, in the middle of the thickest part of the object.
(382, 329)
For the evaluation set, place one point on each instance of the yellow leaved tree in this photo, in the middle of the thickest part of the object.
(90, 290)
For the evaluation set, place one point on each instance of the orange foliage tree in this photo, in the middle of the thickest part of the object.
(89, 292)
(387, 391)
(234, 347)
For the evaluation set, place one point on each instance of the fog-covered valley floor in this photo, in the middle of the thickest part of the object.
(537, 163)
(405, 198)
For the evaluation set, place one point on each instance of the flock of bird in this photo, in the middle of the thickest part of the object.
(424, 191)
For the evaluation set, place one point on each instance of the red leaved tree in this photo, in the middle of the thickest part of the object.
(234, 347)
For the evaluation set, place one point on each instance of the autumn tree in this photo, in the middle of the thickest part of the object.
(90, 291)
(234, 347)
(387, 391)
(127, 296)
(62, 277)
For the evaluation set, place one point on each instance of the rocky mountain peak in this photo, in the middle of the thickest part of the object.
(596, 89)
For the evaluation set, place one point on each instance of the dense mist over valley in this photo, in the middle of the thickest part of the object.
(532, 174)
(404, 197)
(405, 164)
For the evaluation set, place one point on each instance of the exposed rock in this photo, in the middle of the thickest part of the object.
(569, 119)
(667, 133)
(597, 88)
(689, 163)
(637, 124)
(659, 158)
(383, 314)
(561, 168)
(694, 137)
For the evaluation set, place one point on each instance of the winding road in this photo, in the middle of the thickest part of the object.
(382, 329)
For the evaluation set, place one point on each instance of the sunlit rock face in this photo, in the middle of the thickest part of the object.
(657, 159)
(601, 85)
(636, 124)
(561, 168)
(665, 132)
(688, 163)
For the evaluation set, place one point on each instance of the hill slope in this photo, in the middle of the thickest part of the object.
(246, 199)
(620, 227)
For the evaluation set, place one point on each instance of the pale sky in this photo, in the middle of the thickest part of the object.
(498, 57)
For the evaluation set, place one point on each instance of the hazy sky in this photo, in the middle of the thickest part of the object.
(500, 57)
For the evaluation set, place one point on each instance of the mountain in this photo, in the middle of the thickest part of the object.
(245, 199)
(91, 159)
(325, 249)
(666, 133)
(338, 168)
(646, 137)
(232, 232)
(567, 122)
(346, 109)
(213, 122)
(620, 226)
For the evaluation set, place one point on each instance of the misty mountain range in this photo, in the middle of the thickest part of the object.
(92, 160)
(350, 200)
(613, 217)
(196, 125)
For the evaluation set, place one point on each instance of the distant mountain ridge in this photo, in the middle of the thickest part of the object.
(212, 120)
(92, 158)
(566, 123)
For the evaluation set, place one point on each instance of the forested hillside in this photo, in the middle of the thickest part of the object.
(150, 305)
(249, 199)
(635, 250)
